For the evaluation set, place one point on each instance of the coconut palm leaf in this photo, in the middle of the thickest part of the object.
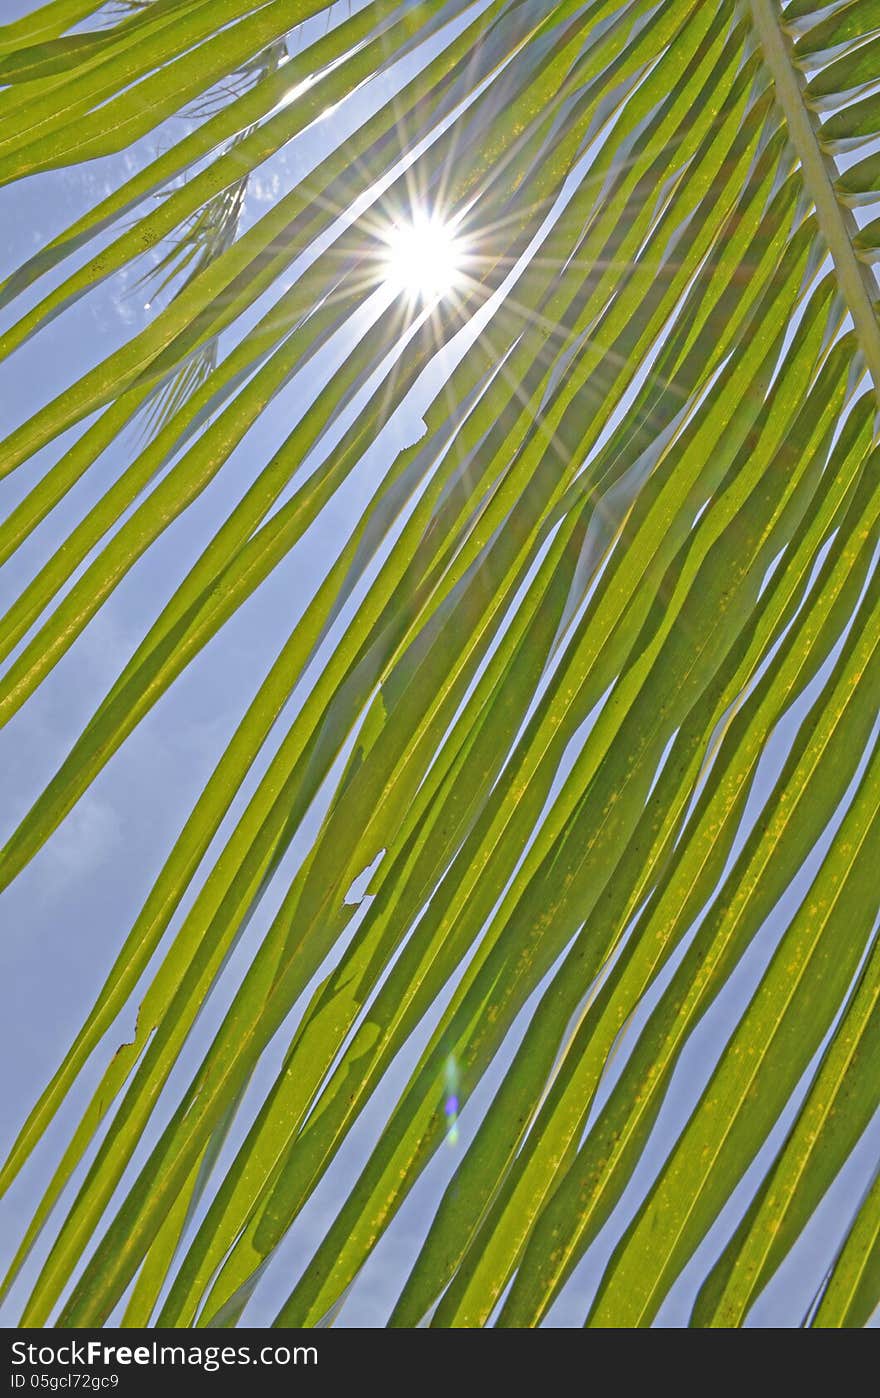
(206, 234)
(561, 799)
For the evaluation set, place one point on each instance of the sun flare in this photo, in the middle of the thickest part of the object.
(423, 258)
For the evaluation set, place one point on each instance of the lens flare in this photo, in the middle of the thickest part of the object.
(451, 1104)
(423, 258)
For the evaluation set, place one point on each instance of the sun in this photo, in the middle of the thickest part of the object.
(423, 258)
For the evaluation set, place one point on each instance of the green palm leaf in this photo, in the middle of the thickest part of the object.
(585, 694)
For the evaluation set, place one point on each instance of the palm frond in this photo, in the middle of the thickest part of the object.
(575, 737)
(203, 237)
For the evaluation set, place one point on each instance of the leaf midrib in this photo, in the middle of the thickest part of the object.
(857, 282)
